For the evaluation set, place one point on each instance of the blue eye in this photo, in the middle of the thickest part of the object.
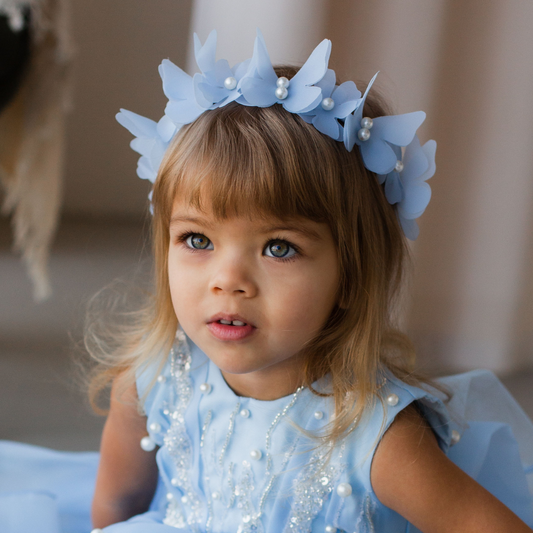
(279, 249)
(198, 241)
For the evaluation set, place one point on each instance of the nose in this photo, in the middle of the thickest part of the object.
(233, 275)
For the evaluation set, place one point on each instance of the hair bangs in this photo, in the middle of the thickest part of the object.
(248, 161)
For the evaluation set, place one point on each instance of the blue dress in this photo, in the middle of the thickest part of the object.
(233, 464)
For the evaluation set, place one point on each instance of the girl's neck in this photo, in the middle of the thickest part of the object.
(266, 385)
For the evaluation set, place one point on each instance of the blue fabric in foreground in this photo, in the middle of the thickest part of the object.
(50, 492)
(45, 491)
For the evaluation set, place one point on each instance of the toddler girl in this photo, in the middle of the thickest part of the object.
(275, 393)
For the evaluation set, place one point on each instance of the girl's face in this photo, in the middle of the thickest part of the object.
(251, 293)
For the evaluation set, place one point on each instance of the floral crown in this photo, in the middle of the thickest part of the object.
(389, 145)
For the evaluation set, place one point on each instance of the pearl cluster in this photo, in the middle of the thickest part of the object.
(366, 125)
(282, 88)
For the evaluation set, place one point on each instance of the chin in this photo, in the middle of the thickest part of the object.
(235, 367)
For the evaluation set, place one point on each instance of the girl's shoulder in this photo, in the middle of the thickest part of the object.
(477, 424)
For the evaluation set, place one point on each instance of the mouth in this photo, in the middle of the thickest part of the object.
(230, 327)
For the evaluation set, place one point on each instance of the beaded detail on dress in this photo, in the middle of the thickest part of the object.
(233, 487)
(311, 488)
(189, 509)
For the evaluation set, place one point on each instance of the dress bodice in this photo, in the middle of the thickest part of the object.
(238, 465)
(229, 463)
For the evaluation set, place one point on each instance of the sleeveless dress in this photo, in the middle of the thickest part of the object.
(240, 465)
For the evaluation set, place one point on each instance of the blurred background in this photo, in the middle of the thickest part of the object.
(469, 65)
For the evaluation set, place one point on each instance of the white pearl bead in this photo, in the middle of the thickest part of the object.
(256, 455)
(230, 83)
(319, 415)
(245, 413)
(344, 490)
(328, 104)
(155, 427)
(215, 495)
(363, 134)
(281, 93)
(205, 388)
(166, 412)
(399, 166)
(456, 437)
(283, 82)
(170, 496)
(147, 444)
(330, 529)
(367, 123)
(184, 499)
(174, 482)
(392, 399)
(161, 379)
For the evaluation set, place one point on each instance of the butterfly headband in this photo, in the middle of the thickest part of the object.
(389, 145)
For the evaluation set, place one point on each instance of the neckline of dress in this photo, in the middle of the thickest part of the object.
(215, 376)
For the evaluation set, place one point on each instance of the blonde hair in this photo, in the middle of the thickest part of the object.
(240, 160)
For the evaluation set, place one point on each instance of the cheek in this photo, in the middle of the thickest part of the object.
(304, 301)
(182, 284)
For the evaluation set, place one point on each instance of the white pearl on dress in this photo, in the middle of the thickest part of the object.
(161, 379)
(166, 412)
(282, 93)
(319, 415)
(456, 437)
(363, 134)
(174, 482)
(330, 529)
(170, 496)
(256, 455)
(215, 495)
(184, 499)
(399, 166)
(245, 413)
(155, 427)
(205, 388)
(328, 104)
(344, 490)
(367, 123)
(147, 444)
(230, 83)
(283, 82)
(392, 399)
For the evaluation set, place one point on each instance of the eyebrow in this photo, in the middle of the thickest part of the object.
(302, 229)
(295, 227)
(195, 220)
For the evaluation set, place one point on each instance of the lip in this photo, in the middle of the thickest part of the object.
(225, 332)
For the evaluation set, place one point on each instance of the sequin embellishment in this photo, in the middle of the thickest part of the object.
(311, 488)
(178, 443)
(364, 521)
